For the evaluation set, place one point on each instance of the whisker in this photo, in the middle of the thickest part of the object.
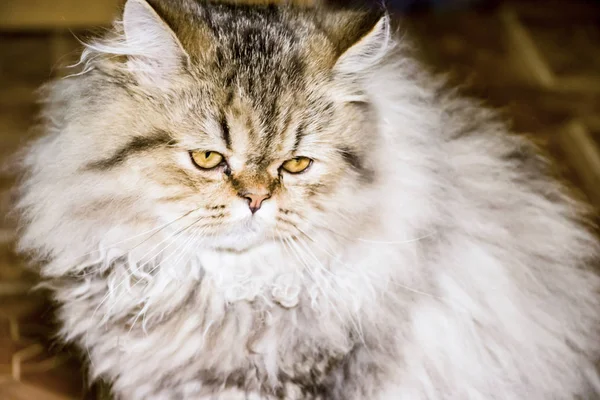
(154, 231)
(174, 236)
(322, 239)
(184, 246)
(399, 241)
(407, 241)
(111, 290)
(312, 274)
(182, 230)
(143, 310)
(163, 227)
(354, 320)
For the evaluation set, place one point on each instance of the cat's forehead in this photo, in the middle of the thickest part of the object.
(264, 53)
(261, 128)
(262, 50)
(266, 85)
(270, 92)
(265, 73)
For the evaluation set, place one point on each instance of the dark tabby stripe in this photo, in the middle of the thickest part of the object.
(225, 131)
(299, 135)
(135, 145)
(357, 164)
(351, 158)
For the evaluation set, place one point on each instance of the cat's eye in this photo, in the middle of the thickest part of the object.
(206, 159)
(297, 165)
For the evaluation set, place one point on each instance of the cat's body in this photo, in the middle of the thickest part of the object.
(425, 253)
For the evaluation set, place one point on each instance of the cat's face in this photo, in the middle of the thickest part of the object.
(256, 166)
(238, 125)
(260, 173)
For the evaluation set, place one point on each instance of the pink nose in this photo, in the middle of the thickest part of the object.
(255, 200)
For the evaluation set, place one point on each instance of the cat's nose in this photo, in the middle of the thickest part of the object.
(255, 200)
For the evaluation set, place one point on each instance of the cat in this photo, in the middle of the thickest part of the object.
(269, 202)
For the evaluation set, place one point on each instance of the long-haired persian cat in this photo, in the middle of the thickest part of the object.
(251, 202)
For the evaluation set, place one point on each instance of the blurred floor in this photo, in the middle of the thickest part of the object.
(539, 62)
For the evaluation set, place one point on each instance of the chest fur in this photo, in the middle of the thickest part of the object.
(258, 326)
(254, 347)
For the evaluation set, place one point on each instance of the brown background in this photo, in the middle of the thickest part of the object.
(539, 62)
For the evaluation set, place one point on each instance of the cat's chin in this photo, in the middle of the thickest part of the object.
(241, 233)
(237, 242)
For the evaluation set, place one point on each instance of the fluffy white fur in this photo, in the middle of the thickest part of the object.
(462, 276)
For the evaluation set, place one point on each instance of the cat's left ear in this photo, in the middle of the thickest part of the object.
(363, 40)
(155, 51)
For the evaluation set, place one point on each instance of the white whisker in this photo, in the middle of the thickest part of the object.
(111, 290)
(323, 240)
(397, 242)
(152, 231)
(183, 246)
(314, 277)
(354, 320)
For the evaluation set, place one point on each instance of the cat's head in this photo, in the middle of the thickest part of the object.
(244, 124)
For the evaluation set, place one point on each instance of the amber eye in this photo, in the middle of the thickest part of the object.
(297, 165)
(206, 159)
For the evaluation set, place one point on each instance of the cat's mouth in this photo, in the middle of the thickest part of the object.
(240, 235)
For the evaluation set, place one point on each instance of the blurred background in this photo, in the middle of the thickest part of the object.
(536, 61)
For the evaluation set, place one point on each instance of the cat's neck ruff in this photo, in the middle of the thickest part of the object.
(259, 272)
(280, 275)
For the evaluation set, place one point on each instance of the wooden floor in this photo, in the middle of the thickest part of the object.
(539, 62)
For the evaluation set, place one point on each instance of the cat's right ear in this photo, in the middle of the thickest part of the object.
(155, 52)
(362, 38)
